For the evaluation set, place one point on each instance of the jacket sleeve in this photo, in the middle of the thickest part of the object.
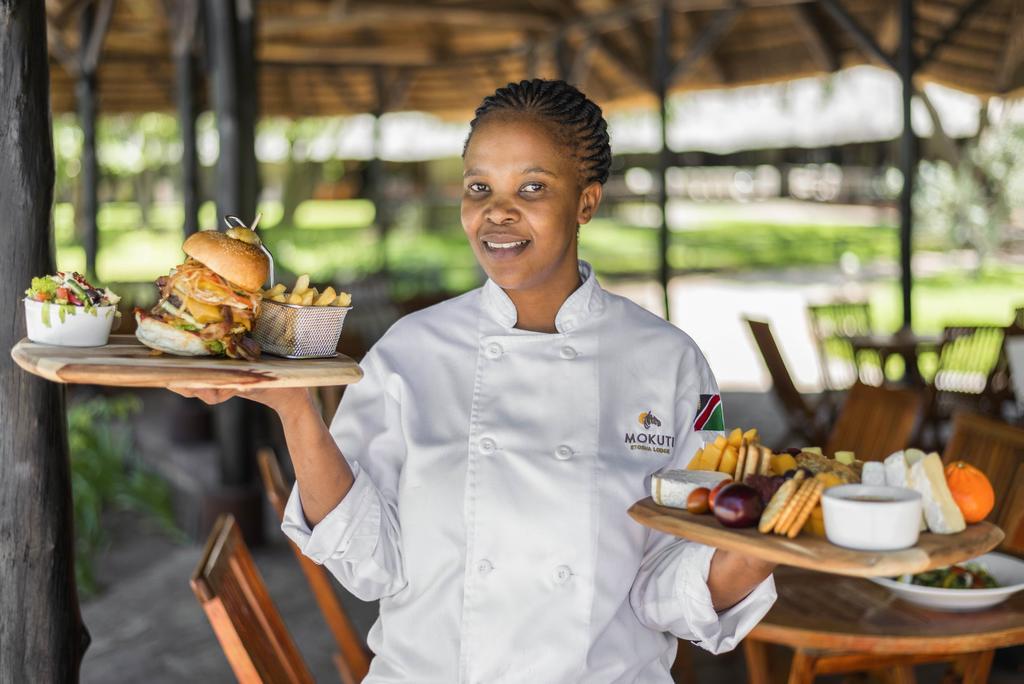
(670, 592)
(359, 541)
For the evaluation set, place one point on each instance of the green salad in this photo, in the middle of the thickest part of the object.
(69, 293)
(965, 576)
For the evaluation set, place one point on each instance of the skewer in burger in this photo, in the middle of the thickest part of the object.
(209, 303)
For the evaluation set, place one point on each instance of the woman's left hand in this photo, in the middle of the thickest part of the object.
(733, 575)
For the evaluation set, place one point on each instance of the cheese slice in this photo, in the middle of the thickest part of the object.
(672, 487)
(873, 474)
(940, 511)
(897, 473)
(896, 470)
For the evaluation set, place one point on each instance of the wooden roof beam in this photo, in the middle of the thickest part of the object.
(714, 63)
(388, 13)
(367, 55)
(1013, 55)
(859, 34)
(950, 31)
(824, 53)
(706, 41)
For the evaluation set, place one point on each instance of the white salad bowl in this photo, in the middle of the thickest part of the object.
(870, 518)
(1006, 570)
(77, 328)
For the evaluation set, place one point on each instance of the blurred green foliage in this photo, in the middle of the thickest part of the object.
(103, 478)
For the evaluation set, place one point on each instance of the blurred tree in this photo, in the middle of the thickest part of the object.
(969, 202)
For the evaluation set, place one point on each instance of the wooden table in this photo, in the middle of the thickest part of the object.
(904, 344)
(836, 624)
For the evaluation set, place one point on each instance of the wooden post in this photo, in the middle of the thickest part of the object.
(229, 36)
(375, 171)
(660, 79)
(85, 96)
(185, 86)
(42, 638)
(908, 156)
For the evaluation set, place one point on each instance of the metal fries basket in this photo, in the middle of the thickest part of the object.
(295, 331)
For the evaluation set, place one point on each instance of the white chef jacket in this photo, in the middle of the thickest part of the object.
(493, 469)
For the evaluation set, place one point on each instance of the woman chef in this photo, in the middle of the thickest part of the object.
(476, 480)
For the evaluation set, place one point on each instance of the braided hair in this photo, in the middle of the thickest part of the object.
(574, 119)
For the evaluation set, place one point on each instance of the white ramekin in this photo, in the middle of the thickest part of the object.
(82, 329)
(871, 525)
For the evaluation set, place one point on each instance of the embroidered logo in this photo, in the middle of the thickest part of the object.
(710, 415)
(650, 441)
(647, 419)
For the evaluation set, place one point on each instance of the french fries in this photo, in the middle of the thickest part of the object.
(304, 295)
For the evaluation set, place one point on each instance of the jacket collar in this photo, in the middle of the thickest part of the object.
(584, 303)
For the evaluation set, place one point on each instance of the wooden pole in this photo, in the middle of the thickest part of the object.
(908, 156)
(42, 638)
(375, 170)
(660, 79)
(185, 96)
(85, 96)
(229, 39)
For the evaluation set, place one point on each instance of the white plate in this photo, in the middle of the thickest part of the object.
(1007, 571)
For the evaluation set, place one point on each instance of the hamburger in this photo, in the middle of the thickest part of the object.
(209, 303)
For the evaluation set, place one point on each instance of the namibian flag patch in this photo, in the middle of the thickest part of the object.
(710, 415)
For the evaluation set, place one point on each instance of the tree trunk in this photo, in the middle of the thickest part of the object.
(42, 638)
(85, 95)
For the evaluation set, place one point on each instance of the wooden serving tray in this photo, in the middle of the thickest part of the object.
(816, 553)
(126, 362)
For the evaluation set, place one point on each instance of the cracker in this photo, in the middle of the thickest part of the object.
(741, 461)
(753, 458)
(794, 506)
(765, 467)
(805, 512)
(776, 505)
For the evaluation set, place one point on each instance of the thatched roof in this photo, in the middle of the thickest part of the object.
(322, 56)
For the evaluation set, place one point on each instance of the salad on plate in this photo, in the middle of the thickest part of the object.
(69, 292)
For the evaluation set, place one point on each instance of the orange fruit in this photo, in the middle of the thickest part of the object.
(971, 491)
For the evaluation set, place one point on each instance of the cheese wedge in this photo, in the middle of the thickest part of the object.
(672, 487)
(940, 511)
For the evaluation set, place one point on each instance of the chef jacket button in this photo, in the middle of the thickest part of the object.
(562, 574)
(493, 351)
(563, 453)
(484, 566)
(487, 445)
(568, 352)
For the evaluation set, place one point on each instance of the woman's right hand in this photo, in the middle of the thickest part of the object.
(281, 399)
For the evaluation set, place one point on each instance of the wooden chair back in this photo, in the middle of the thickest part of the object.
(967, 359)
(875, 422)
(997, 449)
(250, 630)
(352, 659)
(831, 324)
(782, 382)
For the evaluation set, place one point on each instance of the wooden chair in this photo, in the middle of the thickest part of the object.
(802, 417)
(998, 450)
(841, 365)
(352, 658)
(875, 421)
(966, 377)
(249, 628)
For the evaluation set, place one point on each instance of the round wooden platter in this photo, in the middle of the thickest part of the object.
(126, 362)
(816, 553)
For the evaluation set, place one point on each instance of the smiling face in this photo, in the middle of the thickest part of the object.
(522, 203)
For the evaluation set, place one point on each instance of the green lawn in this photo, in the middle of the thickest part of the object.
(333, 241)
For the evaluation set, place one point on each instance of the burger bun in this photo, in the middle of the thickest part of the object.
(166, 338)
(238, 262)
